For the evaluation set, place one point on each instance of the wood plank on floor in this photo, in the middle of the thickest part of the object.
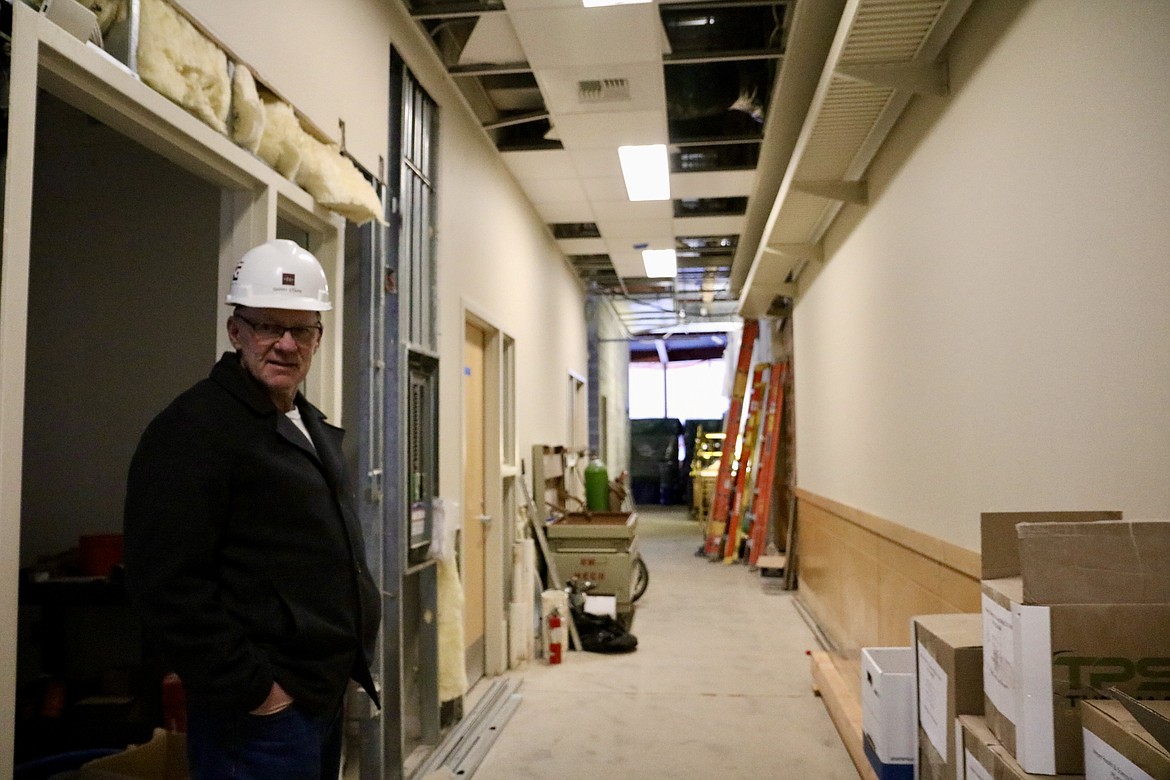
(844, 705)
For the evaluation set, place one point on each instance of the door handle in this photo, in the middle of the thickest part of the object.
(485, 519)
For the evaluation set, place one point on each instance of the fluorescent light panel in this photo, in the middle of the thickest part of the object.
(646, 171)
(599, 3)
(659, 262)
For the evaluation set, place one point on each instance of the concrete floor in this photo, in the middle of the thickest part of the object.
(719, 687)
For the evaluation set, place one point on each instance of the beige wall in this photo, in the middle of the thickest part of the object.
(990, 333)
(498, 262)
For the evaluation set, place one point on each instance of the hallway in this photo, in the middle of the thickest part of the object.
(718, 688)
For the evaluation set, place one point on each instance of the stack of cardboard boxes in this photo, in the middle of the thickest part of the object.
(1073, 604)
(1076, 606)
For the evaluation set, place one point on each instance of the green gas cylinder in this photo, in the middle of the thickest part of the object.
(596, 486)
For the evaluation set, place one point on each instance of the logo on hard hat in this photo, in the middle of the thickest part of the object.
(236, 273)
(288, 279)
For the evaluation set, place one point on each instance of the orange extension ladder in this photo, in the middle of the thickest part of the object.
(766, 478)
(745, 468)
(720, 506)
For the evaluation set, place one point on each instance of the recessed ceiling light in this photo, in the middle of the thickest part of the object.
(646, 170)
(659, 263)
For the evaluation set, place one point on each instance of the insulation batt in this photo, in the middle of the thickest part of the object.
(280, 141)
(336, 183)
(247, 110)
(452, 672)
(181, 63)
(319, 168)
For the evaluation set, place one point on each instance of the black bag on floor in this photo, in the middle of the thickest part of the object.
(603, 634)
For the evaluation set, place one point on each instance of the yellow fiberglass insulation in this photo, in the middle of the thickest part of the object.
(247, 110)
(281, 138)
(336, 183)
(181, 63)
(452, 672)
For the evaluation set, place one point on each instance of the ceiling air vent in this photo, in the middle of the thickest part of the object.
(603, 90)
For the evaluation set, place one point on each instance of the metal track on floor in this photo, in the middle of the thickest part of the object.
(462, 751)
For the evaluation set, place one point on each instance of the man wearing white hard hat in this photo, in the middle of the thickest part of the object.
(244, 555)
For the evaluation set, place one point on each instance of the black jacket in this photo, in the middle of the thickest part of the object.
(244, 555)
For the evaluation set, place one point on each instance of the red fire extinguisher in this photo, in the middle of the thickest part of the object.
(554, 637)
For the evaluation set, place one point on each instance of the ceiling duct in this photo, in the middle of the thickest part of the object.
(594, 91)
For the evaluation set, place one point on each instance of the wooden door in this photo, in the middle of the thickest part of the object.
(473, 499)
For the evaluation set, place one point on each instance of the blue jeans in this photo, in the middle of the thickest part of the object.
(290, 745)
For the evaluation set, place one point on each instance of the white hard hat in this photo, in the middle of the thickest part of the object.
(279, 274)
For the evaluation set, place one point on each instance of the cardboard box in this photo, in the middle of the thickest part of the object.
(1117, 562)
(164, 757)
(1068, 653)
(1007, 768)
(1040, 661)
(1000, 687)
(1117, 747)
(1002, 587)
(985, 759)
(949, 677)
(887, 710)
(973, 741)
(999, 548)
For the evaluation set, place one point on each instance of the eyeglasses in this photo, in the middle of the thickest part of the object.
(305, 335)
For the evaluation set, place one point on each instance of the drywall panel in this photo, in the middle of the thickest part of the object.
(990, 334)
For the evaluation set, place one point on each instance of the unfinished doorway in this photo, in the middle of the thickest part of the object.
(121, 317)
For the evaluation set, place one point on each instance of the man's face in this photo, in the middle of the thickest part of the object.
(277, 347)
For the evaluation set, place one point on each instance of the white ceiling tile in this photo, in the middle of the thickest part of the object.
(708, 226)
(492, 40)
(583, 246)
(605, 189)
(560, 87)
(596, 162)
(571, 211)
(655, 232)
(554, 190)
(540, 164)
(712, 184)
(567, 37)
(594, 131)
(627, 263)
(626, 210)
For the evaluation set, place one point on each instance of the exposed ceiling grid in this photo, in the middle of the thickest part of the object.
(558, 87)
